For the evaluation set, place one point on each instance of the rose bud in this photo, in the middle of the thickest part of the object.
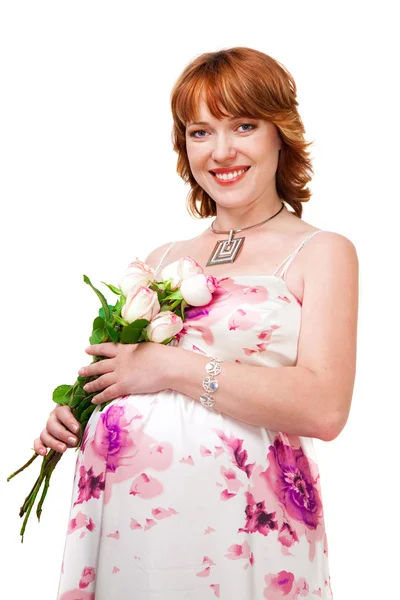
(137, 274)
(212, 283)
(140, 304)
(164, 325)
(198, 290)
(179, 270)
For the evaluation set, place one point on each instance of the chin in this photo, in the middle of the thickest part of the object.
(233, 201)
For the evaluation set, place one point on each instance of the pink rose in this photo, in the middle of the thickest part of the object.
(198, 289)
(137, 274)
(164, 325)
(140, 304)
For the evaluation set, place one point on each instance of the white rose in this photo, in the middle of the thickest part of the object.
(171, 272)
(179, 270)
(141, 304)
(198, 290)
(188, 267)
(136, 275)
(164, 325)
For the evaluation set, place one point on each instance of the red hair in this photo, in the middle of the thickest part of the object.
(243, 82)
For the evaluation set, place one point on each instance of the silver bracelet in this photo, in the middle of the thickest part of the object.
(210, 384)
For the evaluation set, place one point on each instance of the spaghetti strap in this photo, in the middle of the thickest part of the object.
(288, 260)
(162, 259)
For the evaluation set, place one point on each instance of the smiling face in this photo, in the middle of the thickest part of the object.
(229, 145)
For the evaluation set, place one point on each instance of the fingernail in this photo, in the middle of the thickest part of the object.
(42, 452)
(75, 428)
(72, 441)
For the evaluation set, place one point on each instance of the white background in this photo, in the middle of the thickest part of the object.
(88, 182)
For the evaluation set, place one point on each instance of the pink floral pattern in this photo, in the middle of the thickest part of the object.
(171, 499)
(284, 585)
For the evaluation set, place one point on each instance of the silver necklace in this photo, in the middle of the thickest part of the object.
(226, 251)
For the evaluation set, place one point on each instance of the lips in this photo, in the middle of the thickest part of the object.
(231, 180)
(223, 170)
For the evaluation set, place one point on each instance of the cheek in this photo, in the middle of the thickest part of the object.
(197, 158)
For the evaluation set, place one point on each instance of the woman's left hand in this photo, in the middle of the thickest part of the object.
(128, 369)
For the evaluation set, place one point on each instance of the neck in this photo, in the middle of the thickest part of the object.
(241, 218)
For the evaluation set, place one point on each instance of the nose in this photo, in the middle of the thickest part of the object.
(224, 149)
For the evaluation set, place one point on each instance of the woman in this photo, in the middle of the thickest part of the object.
(184, 494)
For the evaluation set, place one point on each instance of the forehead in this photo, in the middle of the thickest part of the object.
(202, 115)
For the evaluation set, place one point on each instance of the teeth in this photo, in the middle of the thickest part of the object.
(229, 175)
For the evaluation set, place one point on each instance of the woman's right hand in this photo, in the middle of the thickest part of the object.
(60, 432)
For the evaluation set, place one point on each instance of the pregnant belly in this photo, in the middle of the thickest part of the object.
(143, 433)
(149, 446)
(145, 444)
(170, 418)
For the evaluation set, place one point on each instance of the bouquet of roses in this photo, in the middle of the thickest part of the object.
(146, 311)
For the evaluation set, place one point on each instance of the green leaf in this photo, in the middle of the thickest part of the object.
(174, 296)
(78, 410)
(164, 307)
(140, 323)
(145, 336)
(87, 412)
(97, 337)
(62, 393)
(174, 305)
(101, 298)
(121, 321)
(81, 379)
(168, 286)
(131, 333)
(113, 288)
(119, 305)
(183, 306)
(98, 323)
(114, 335)
(77, 397)
(101, 312)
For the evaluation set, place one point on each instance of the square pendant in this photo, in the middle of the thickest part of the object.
(225, 252)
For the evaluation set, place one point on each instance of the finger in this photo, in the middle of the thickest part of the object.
(97, 368)
(49, 441)
(39, 448)
(110, 393)
(56, 432)
(100, 383)
(65, 416)
(107, 349)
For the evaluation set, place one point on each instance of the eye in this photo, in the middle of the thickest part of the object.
(193, 133)
(247, 125)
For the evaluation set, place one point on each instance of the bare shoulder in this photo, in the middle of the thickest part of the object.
(155, 255)
(329, 252)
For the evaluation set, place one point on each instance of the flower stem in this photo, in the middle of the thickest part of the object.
(24, 467)
(49, 471)
(48, 464)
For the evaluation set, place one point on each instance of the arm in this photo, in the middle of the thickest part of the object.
(312, 398)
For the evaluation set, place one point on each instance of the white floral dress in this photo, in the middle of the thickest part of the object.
(174, 501)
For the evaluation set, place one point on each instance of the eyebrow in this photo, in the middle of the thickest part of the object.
(205, 122)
